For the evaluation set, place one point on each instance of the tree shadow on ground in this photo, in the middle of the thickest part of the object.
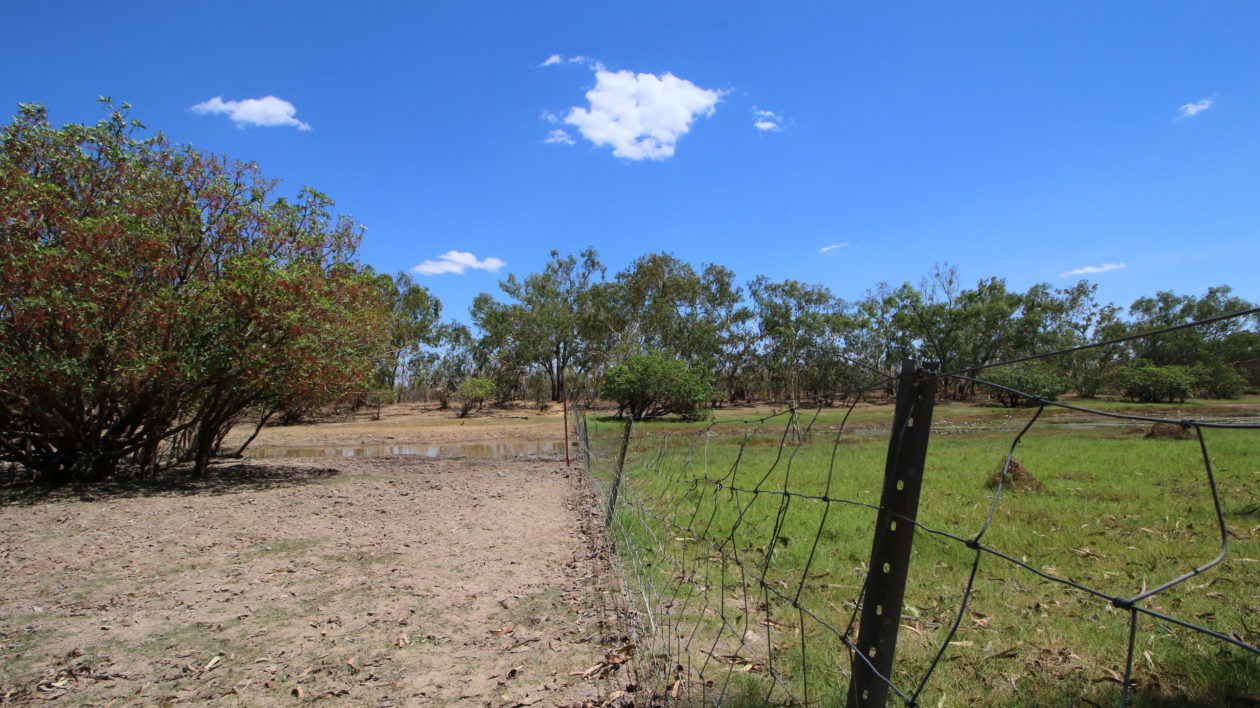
(236, 478)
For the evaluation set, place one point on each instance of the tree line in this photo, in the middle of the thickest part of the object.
(562, 331)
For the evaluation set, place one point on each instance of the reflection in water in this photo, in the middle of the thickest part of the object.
(492, 449)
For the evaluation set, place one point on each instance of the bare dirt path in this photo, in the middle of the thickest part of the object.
(369, 581)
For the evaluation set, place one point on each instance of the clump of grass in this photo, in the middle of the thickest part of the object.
(1014, 477)
(1170, 431)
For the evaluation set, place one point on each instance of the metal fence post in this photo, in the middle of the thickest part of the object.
(894, 534)
(621, 463)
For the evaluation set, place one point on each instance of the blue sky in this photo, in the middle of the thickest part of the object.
(1023, 140)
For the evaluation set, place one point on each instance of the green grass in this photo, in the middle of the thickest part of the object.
(1118, 513)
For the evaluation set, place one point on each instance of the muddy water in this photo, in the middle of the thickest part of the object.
(488, 449)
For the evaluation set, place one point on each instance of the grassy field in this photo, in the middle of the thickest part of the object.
(722, 526)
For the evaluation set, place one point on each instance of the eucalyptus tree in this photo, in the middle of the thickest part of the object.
(447, 359)
(549, 320)
(1191, 345)
(414, 314)
(802, 329)
(1225, 355)
(968, 329)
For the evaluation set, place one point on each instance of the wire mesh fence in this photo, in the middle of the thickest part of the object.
(1112, 561)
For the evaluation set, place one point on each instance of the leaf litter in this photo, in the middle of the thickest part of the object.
(370, 581)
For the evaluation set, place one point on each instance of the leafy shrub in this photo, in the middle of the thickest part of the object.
(150, 294)
(473, 392)
(650, 385)
(1153, 384)
(1040, 380)
(1218, 380)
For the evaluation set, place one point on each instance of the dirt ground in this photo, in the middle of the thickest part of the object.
(367, 581)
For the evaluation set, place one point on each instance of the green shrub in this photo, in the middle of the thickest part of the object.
(1218, 380)
(473, 392)
(651, 385)
(1154, 384)
(1040, 380)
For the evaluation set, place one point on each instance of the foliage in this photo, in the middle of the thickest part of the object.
(378, 397)
(790, 340)
(473, 392)
(151, 293)
(802, 329)
(1217, 380)
(413, 313)
(1040, 380)
(651, 385)
(1148, 383)
(442, 365)
(553, 322)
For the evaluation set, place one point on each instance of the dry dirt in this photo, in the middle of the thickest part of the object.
(379, 581)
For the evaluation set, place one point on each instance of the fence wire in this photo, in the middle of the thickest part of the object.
(742, 551)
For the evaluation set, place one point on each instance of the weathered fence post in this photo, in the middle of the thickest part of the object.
(621, 462)
(565, 417)
(894, 534)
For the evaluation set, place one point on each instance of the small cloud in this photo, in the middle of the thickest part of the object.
(560, 137)
(641, 116)
(555, 59)
(264, 112)
(457, 262)
(833, 247)
(1088, 270)
(767, 120)
(1191, 110)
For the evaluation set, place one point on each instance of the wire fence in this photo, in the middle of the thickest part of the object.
(1112, 562)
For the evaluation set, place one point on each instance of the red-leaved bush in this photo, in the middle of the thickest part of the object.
(150, 294)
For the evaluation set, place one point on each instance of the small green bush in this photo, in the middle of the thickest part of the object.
(473, 392)
(1154, 384)
(1038, 380)
(651, 385)
(1218, 380)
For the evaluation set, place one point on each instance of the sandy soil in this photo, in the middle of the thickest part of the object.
(413, 423)
(382, 581)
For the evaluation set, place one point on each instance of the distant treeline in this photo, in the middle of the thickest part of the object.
(559, 331)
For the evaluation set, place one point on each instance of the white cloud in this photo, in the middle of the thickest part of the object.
(457, 262)
(1087, 270)
(641, 116)
(833, 247)
(265, 112)
(767, 120)
(1191, 110)
(560, 137)
(555, 59)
